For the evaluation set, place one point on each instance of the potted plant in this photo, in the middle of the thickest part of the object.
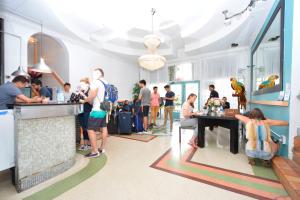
(136, 91)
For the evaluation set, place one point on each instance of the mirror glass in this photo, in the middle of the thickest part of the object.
(266, 59)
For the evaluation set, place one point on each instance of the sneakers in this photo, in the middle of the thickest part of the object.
(81, 148)
(92, 155)
(101, 151)
(84, 147)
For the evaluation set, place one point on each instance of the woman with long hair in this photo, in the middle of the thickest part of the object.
(83, 117)
(260, 144)
(186, 117)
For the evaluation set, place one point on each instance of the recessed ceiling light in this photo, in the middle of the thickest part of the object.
(234, 45)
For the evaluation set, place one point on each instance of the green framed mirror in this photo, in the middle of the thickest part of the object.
(267, 56)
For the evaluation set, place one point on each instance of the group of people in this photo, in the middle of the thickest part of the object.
(187, 112)
(260, 144)
(153, 101)
(10, 93)
(93, 118)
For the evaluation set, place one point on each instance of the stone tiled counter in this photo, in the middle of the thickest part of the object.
(44, 142)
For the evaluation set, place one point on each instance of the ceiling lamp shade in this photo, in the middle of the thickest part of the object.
(41, 67)
(20, 72)
(151, 42)
(152, 61)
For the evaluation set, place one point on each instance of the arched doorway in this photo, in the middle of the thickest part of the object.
(55, 55)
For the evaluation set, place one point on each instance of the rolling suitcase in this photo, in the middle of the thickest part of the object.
(138, 123)
(124, 123)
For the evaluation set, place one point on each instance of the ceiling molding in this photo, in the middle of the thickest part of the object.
(209, 55)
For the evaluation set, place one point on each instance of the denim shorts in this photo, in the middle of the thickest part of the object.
(260, 154)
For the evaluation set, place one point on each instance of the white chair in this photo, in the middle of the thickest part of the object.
(185, 128)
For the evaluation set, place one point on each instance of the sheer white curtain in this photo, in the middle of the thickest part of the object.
(216, 69)
(157, 76)
(268, 60)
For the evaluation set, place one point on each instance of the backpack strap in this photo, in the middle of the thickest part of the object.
(110, 110)
(104, 87)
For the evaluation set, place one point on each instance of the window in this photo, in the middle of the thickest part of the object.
(181, 72)
(184, 72)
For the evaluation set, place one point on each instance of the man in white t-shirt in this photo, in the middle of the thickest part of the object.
(97, 118)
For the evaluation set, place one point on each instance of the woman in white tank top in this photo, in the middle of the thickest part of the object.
(187, 120)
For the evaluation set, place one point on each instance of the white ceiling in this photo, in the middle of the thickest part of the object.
(116, 26)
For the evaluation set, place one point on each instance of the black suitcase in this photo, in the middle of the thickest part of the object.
(124, 123)
(112, 125)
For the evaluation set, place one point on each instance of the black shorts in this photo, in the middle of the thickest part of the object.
(146, 111)
(96, 123)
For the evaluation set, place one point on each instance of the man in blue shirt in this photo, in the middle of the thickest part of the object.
(10, 93)
(169, 106)
(42, 91)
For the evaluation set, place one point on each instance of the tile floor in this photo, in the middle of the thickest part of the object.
(128, 175)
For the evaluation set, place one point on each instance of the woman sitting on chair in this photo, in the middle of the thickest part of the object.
(260, 144)
(186, 119)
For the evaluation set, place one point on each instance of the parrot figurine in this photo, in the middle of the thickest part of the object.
(269, 83)
(238, 87)
(240, 92)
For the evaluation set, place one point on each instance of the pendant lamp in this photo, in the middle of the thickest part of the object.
(152, 61)
(41, 67)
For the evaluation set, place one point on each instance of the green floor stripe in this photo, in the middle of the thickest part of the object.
(264, 172)
(174, 164)
(158, 130)
(60, 187)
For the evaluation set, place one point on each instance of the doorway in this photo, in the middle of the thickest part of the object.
(182, 90)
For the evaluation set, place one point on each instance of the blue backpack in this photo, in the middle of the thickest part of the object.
(111, 93)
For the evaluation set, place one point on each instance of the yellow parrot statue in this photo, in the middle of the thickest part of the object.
(238, 87)
(240, 92)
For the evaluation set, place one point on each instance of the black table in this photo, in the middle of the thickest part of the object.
(223, 121)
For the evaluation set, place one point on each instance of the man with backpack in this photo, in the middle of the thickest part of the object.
(97, 118)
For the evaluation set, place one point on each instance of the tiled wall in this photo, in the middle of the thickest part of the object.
(46, 147)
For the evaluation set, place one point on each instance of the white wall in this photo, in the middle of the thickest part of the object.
(295, 83)
(121, 74)
(82, 56)
(11, 44)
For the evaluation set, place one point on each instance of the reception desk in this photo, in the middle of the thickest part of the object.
(44, 142)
